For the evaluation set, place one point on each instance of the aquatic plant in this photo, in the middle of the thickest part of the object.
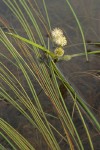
(27, 52)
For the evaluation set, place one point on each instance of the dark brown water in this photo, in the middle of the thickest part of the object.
(84, 76)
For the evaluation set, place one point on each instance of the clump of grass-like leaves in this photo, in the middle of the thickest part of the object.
(26, 53)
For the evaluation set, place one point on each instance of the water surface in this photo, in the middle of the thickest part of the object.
(83, 75)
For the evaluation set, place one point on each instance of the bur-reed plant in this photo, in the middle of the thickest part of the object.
(27, 53)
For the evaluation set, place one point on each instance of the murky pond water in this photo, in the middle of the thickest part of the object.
(83, 75)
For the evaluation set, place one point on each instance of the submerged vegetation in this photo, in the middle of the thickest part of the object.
(33, 57)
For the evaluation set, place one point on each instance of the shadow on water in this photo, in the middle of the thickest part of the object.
(84, 76)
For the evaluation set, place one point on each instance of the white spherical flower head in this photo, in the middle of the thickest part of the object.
(61, 41)
(58, 37)
(56, 33)
(59, 52)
